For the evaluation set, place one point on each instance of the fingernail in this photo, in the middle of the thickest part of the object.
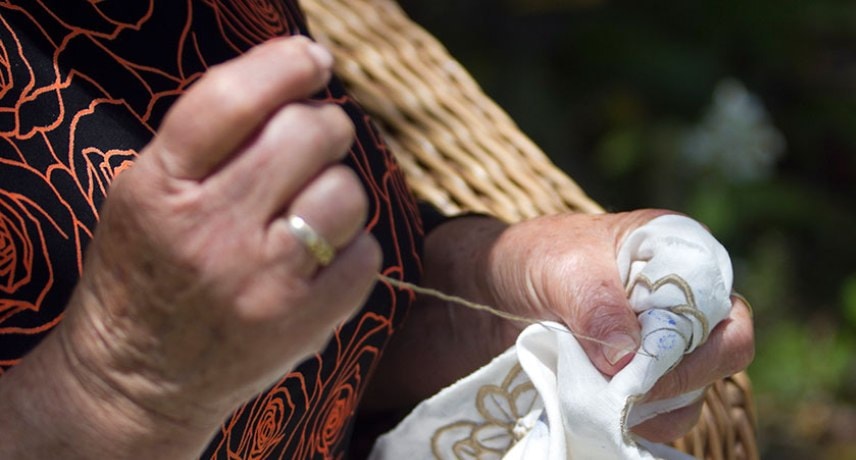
(619, 346)
(321, 55)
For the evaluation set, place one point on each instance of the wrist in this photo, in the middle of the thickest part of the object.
(460, 338)
(79, 398)
(50, 412)
(459, 261)
(114, 365)
(457, 255)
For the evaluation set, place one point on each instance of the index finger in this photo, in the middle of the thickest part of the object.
(233, 99)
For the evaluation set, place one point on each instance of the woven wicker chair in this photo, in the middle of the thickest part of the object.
(461, 152)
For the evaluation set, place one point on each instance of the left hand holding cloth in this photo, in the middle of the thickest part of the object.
(544, 397)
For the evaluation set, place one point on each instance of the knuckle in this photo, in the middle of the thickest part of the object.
(317, 134)
(297, 113)
(227, 87)
(743, 351)
(680, 381)
(305, 120)
(325, 127)
(351, 192)
(341, 128)
(373, 253)
(301, 65)
(293, 52)
(674, 383)
(364, 260)
(297, 125)
(604, 316)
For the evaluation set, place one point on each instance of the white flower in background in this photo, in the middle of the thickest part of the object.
(735, 137)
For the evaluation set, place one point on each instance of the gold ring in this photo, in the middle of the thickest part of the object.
(745, 302)
(315, 243)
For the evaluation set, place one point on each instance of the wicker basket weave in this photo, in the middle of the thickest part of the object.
(461, 152)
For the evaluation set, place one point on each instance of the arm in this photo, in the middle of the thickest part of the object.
(438, 332)
(52, 409)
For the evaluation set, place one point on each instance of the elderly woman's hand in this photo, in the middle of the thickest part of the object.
(564, 268)
(195, 293)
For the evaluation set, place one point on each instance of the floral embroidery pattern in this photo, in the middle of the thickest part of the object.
(501, 407)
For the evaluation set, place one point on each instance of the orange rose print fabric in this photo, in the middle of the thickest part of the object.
(84, 85)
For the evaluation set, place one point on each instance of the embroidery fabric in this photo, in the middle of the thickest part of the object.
(501, 408)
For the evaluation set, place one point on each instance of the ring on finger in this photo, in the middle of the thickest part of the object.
(320, 248)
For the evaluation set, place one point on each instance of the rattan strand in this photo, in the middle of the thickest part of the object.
(469, 150)
(461, 152)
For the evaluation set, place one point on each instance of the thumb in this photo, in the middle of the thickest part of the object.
(563, 267)
(601, 317)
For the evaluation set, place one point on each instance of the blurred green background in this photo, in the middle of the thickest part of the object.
(740, 114)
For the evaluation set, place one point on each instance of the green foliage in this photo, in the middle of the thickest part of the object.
(818, 354)
(848, 298)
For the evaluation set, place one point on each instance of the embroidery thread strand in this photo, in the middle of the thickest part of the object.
(504, 315)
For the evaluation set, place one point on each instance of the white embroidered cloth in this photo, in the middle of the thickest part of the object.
(544, 399)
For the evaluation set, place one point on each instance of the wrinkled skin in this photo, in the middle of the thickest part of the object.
(566, 270)
(561, 268)
(195, 280)
(195, 296)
